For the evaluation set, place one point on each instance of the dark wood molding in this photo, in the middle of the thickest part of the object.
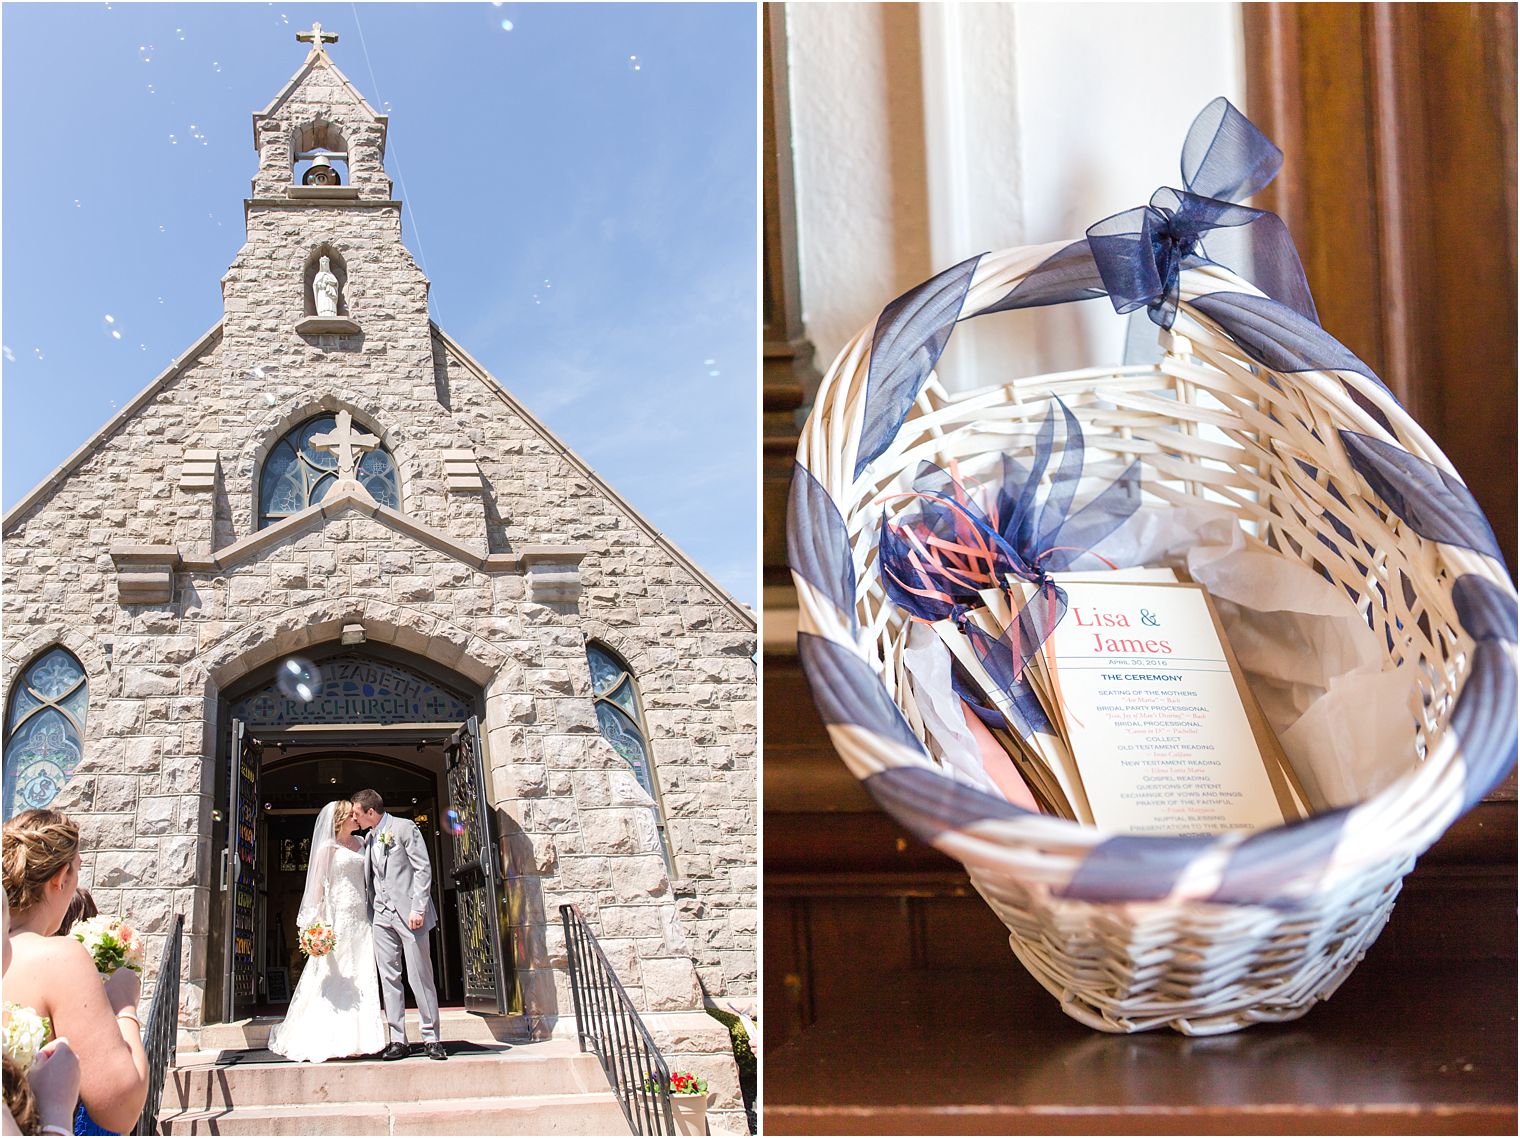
(1397, 122)
(788, 374)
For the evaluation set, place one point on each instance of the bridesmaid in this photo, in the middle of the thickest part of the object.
(55, 976)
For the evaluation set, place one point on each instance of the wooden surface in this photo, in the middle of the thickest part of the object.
(988, 1051)
(894, 1005)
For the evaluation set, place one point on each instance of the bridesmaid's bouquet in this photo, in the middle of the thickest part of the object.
(112, 943)
(318, 938)
(25, 1032)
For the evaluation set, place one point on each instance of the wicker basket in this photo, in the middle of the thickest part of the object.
(1203, 935)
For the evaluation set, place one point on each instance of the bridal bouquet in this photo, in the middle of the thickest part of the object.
(112, 943)
(25, 1032)
(318, 939)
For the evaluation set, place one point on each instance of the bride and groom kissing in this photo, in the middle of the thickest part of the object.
(368, 877)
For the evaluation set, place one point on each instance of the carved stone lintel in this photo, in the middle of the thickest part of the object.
(145, 573)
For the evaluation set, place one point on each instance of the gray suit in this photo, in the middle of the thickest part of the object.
(401, 883)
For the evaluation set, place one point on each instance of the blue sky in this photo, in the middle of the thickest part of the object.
(580, 189)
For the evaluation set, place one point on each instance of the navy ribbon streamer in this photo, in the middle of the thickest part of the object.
(1141, 252)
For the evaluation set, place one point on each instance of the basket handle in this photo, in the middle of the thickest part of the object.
(1136, 259)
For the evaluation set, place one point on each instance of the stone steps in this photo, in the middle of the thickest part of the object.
(525, 1114)
(454, 1023)
(552, 1068)
(524, 1088)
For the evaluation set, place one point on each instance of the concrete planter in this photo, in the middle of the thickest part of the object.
(690, 1113)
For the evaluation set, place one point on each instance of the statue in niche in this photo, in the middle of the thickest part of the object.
(324, 289)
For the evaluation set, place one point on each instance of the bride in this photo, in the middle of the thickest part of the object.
(336, 1008)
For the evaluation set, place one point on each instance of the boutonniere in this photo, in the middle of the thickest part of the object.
(386, 840)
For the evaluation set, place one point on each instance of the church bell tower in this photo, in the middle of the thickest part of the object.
(323, 283)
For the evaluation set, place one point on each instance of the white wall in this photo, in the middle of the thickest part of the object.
(979, 126)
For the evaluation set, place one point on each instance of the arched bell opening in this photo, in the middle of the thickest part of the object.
(319, 153)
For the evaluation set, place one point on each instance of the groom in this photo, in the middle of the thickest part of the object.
(401, 911)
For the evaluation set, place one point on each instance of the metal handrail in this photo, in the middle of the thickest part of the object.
(607, 1020)
(161, 1028)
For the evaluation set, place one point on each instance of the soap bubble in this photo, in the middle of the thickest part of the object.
(37, 352)
(5, 350)
(152, 90)
(709, 363)
(299, 679)
(714, 372)
(173, 141)
(215, 66)
(110, 326)
(454, 824)
(634, 64)
(506, 25)
(146, 52)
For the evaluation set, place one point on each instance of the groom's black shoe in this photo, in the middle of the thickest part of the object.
(436, 1051)
(396, 1051)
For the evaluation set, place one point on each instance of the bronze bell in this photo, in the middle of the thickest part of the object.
(321, 173)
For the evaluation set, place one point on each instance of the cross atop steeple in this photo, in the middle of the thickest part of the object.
(317, 37)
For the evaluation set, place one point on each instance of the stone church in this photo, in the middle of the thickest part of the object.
(327, 550)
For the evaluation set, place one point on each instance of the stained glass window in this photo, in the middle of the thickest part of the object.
(298, 474)
(43, 730)
(621, 719)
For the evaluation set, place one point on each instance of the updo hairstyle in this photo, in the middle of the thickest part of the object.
(341, 810)
(37, 844)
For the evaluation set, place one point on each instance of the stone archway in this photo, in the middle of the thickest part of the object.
(386, 703)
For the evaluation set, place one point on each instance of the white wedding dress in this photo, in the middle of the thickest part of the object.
(336, 1009)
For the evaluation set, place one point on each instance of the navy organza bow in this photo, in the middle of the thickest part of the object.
(937, 556)
(1141, 252)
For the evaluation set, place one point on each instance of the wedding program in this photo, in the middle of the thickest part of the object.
(1141, 721)
(1160, 726)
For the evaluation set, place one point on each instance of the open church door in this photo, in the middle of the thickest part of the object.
(239, 887)
(477, 874)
